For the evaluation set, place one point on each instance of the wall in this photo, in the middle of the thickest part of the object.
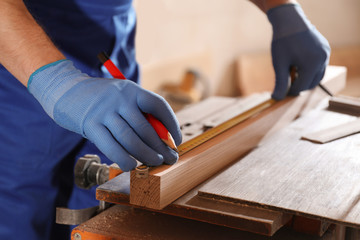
(173, 29)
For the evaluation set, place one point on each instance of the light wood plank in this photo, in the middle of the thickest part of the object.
(333, 133)
(296, 176)
(213, 111)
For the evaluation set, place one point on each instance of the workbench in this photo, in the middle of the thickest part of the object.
(307, 191)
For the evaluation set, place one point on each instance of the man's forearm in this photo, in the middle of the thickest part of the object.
(24, 46)
(265, 5)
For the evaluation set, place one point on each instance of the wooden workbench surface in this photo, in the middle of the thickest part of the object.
(297, 176)
(219, 206)
(123, 222)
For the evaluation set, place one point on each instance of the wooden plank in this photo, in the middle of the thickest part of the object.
(213, 111)
(247, 218)
(167, 183)
(348, 105)
(333, 133)
(296, 176)
(123, 222)
(162, 186)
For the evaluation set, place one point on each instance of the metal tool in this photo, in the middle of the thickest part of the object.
(89, 171)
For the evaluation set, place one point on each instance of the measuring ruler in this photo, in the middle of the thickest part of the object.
(212, 132)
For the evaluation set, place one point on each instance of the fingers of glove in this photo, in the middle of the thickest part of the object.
(318, 77)
(281, 81)
(303, 82)
(129, 140)
(103, 139)
(170, 156)
(157, 106)
(137, 121)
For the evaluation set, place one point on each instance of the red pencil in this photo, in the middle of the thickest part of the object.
(160, 129)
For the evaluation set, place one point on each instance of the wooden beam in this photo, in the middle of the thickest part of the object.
(167, 183)
(191, 206)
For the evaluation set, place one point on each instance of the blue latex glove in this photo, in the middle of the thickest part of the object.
(296, 43)
(108, 112)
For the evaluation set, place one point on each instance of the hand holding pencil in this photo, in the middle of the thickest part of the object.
(109, 112)
(160, 129)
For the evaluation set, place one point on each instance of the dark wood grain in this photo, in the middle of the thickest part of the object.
(296, 176)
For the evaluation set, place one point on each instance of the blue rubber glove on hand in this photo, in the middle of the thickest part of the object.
(296, 43)
(109, 112)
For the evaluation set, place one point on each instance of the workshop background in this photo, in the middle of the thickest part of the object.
(211, 36)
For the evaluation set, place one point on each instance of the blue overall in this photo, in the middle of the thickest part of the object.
(36, 155)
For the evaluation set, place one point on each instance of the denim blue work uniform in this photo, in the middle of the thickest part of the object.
(36, 155)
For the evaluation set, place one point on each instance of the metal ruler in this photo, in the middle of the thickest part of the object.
(212, 132)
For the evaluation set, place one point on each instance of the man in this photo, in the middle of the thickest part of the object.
(66, 87)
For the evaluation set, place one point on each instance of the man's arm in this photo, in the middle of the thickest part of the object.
(109, 112)
(24, 46)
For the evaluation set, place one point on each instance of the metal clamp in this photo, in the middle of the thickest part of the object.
(68, 216)
(89, 171)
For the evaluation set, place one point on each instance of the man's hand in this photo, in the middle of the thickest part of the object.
(109, 112)
(296, 43)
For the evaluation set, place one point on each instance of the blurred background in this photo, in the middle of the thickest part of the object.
(226, 44)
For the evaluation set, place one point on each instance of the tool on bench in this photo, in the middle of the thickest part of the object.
(88, 172)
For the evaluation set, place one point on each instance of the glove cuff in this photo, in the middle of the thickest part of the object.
(287, 19)
(48, 83)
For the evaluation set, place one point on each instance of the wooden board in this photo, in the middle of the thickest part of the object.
(239, 216)
(123, 222)
(346, 105)
(333, 133)
(167, 183)
(296, 176)
(213, 111)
